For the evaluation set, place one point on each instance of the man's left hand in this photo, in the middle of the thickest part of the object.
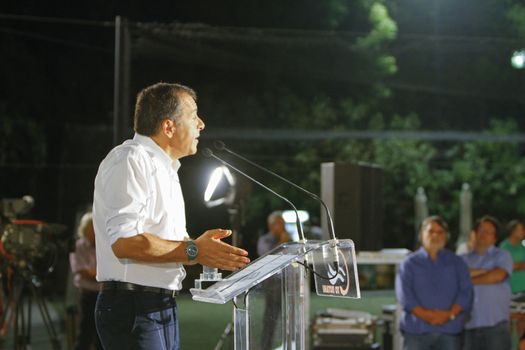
(215, 253)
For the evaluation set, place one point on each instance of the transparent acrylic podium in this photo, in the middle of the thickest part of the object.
(271, 294)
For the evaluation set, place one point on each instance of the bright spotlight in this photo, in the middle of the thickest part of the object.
(215, 187)
(290, 218)
(518, 59)
(215, 178)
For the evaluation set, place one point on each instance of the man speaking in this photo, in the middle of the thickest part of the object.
(140, 225)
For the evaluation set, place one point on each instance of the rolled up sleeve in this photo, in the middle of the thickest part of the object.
(126, 196)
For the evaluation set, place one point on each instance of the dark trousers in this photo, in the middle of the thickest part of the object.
(431, 341)
(489, 338)
(86, 330)
(137, 320)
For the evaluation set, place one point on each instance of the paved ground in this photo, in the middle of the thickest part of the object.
(38, 336)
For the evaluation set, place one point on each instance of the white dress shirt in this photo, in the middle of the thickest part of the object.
(137, 190)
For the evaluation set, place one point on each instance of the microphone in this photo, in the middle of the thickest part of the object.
(209, 154)
(220, 146)
(332, 254)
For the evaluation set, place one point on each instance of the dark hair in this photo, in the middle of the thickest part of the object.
(488, 218)
(434, 218)
(511, 226)
(156, 103)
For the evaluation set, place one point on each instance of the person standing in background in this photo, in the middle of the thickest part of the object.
(434, 290)
(490, 267)
(468, 246)
(514, 245)
(84, 267)
(276, 234)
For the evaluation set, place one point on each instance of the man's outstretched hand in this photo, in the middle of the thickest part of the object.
(215, 253)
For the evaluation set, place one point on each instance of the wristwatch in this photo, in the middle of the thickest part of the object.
(191, 250)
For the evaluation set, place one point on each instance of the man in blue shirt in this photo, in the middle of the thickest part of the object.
(276, 234)
(434, 290)
(490, 268)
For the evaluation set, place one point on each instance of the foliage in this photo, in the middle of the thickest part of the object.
(516, 15)
(276, 104)
(495, 171)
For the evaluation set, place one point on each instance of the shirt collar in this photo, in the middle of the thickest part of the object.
(150, 145)
(424, 252)
(489, 251)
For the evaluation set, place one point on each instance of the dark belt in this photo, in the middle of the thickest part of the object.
(127, 286)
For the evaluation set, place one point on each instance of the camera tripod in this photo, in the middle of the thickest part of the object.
(19, 308)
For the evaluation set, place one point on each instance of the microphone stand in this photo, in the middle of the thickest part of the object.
(219, 145)
(208, 153)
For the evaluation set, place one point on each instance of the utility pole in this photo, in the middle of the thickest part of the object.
(121, 82)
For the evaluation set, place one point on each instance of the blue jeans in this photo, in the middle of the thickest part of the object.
(431, 341)
(495, 337)
(137, 320)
